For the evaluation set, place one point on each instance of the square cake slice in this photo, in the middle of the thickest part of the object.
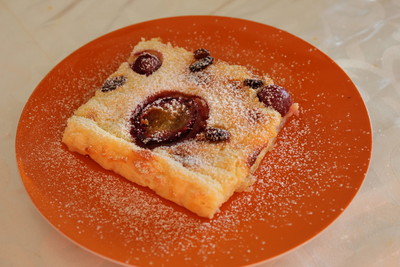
(190, 127)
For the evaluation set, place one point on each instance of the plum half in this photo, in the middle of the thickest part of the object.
(277, 97)
(147, 62)
(167, 118)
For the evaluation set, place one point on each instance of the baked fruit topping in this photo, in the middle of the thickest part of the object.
(147, 62)
(113, 83)
(167, 118)
(201, 64)
(277, 97)
(201, 53)
(253, 83)
(216, 134)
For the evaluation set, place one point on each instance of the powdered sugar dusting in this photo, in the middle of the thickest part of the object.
(99, 200)
(300, 184)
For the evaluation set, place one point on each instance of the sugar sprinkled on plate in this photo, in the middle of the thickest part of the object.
(84, 195)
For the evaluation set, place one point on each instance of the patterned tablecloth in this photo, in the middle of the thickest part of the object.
(362, 36)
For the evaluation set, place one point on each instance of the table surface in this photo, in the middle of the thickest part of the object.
(362, 36)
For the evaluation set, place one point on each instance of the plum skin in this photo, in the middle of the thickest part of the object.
(277, 97)
(147, 62)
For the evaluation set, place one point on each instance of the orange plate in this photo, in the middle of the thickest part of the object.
(316, 168)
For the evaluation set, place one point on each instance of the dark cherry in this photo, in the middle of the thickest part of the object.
(201, 64)
(146, 63)
(216, 134)
(253, 83)
(113, 83)
(201, 53)
(277, 97)
(167, 118)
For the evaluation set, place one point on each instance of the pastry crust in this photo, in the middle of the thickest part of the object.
(195, 173)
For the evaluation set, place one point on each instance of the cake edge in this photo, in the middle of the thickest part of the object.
(198, 193)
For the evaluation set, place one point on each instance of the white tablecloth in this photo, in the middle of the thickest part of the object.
(362, 36)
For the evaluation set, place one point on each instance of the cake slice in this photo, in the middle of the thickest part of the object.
(190, 127)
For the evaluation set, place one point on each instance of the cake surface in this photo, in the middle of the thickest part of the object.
(190, 127)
